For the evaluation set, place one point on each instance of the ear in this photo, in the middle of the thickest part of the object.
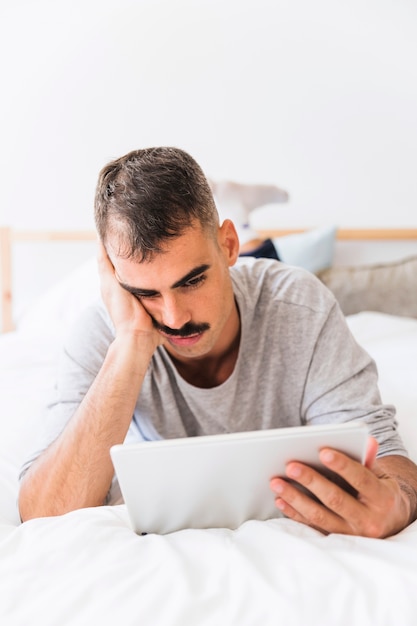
(229, 241)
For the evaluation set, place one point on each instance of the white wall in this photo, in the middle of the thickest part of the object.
(319, 97)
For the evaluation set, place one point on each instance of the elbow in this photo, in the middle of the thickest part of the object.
(27, 505)
(33, 502)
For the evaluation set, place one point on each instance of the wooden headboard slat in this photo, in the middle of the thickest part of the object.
(354, 234)
(53, 235)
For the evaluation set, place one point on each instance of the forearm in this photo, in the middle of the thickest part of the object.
(76, 470)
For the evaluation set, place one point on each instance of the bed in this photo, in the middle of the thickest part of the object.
(89, 567)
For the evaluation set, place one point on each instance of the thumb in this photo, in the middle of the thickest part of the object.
(371, 452)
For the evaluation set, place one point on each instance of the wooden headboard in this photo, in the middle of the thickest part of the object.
(9, 236)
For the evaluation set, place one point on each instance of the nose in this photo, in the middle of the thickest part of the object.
(174, 313)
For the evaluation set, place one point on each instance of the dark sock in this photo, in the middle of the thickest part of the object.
(265, 250)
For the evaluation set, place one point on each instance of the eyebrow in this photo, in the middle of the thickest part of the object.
(137, 291)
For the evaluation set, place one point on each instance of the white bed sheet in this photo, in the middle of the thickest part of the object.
(89, 567)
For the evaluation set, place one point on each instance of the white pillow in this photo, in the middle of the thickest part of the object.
(312, 250)
(58, 307)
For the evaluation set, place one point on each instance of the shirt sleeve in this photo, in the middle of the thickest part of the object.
(342, 385)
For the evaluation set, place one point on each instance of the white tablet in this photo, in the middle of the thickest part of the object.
(219, 481)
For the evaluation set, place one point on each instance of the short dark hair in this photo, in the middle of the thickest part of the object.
(150, 196)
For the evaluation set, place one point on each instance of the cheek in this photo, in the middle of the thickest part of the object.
(204, 305)
(216, 303)
(149, 307)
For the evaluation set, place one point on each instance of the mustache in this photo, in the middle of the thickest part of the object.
(185, 331)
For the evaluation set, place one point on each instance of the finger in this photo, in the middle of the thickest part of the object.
(371, 452)
(336, 496)
(301, 507)
(295, 515)
(361, 478)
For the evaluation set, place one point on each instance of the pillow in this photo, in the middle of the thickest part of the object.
(312, 250)
(385, 288)
(58, 307)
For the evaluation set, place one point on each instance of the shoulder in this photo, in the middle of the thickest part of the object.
(90, 335)
(264, 280)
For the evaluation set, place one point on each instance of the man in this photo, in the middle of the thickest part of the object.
(192, 342)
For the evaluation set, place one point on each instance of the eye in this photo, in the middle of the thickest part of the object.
(146, 296)
(195, 281)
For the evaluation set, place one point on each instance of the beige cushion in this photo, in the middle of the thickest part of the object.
(387, 288)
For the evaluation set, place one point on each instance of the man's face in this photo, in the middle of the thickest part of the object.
(187, 291)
